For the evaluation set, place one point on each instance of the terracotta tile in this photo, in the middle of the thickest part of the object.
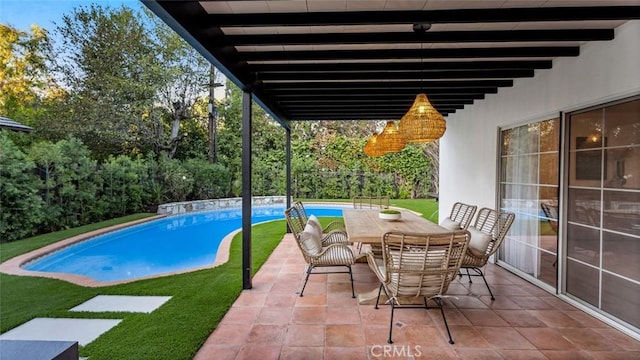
(376, 334)
(624, 341)
(280, 300)
(340, 300)
(479, 317)
(221, 352)
(566, 355)
(614, 355)
(587, 339)
(302, 353)
(454, 317)
(274, 315)
(305, 335)
(535, 291)
(344, 335)
(505, 338)
(262, 352)
(230, 334)
(369, 315)
(315, 288)
(508, 290)
(522, 354)
(345, 353)
(418, 316)
(240, 315)
(267, 334)
(587, 320)
(309, 315)
(339, 277)
(555, 318)
(520, 318)
(312, 300)
(531, 302)
(474, 354)
(426, 336)
(465, 336)
(343, 315)
(546, 338)
(558, 303)
(342, 288)
(467, 302)
(248, 298)
(501, 302)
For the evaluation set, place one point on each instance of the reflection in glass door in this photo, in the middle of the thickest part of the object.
(529, 188)
(603, 209)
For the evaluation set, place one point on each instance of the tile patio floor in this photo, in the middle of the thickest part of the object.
(271, 321)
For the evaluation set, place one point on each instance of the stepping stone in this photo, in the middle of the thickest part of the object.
(83, 331)
(121, 303)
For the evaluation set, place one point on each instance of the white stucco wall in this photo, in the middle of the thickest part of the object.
(604, 71)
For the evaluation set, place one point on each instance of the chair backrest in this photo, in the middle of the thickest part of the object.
(370, 202)
(551, 212)
(422, 264)
(301, 212)
(463, 214)
(494, 223)
(295, 220)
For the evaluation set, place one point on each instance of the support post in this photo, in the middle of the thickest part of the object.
(288, 171)
(246, 190)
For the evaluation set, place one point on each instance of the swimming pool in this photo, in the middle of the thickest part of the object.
(172, 244)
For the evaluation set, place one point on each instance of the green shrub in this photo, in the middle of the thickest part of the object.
(20, 204)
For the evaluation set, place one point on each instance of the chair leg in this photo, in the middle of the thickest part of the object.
(469, 276)
(439, 302)
(309, 268)
(391, 321)
(353, 291)
(485, 282)
(378, 298)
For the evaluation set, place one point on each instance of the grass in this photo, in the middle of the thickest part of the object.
(427, 207)
(174, 331)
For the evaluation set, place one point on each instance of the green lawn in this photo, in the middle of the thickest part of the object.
(177, 329)
(427, 207)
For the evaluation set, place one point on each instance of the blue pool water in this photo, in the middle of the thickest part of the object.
(170, 244)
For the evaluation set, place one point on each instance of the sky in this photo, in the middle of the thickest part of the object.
(21, 14)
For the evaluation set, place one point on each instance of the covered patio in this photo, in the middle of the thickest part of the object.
(271, 321)
(514, 80)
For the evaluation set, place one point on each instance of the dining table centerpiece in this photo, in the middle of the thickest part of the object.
(389, 215)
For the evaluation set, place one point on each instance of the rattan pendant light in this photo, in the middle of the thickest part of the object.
(371, 148)
(390, 140)
(422, 123)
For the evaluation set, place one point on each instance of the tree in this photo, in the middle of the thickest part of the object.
(186, 76)
(25, 81)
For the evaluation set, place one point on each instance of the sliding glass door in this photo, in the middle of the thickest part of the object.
(603, 209)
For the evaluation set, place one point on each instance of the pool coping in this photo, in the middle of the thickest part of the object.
(14, 265)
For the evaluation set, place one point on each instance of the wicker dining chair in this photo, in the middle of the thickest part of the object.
(487, 234)
(330, 250)
(460, 217)
(418, 266)
(334, 225)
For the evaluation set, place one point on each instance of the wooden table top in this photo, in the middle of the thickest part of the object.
(364, 226)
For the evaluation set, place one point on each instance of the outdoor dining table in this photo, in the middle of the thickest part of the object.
(366, 227)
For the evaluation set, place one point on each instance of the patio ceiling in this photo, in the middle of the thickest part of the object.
(361, 59)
